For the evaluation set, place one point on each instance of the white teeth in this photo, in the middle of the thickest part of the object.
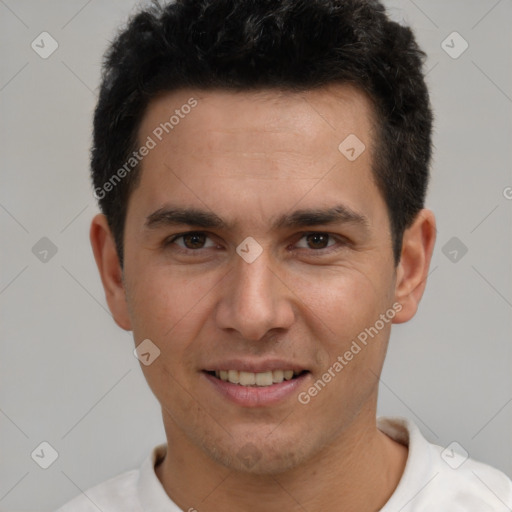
(264, 379)
(261, 379)
(233, 376)
(278, 376)
(247, 378)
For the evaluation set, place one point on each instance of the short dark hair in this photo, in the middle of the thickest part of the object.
(291, 45)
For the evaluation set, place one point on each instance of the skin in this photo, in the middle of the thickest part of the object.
(250, 157)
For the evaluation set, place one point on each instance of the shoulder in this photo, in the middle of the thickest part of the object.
(116, 494)
(468, 483)
(444, 478)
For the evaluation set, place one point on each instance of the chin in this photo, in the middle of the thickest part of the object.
(259, 453)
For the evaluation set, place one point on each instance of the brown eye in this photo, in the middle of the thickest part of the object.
(316, 241)
(193, 240)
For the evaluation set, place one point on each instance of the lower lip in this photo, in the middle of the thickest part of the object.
(257, 396)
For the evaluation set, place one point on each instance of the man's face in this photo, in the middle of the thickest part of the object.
(250, 159)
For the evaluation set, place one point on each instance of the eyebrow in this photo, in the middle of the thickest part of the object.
(339, 214)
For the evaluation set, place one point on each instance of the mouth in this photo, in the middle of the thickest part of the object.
(256, 379)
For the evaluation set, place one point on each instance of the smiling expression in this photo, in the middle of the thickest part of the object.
(255, 252)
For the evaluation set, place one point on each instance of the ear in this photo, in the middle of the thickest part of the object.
(417, 248)
(107, 260)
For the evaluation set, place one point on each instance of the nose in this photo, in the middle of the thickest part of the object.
(255, 299)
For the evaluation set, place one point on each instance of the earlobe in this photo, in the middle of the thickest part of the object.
(417, 248)
(107, 260)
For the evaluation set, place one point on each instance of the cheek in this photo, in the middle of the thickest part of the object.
(164, 301)
(168, 309)
(344, 299)
(345, 306)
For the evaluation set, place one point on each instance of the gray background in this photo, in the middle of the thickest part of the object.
(67, 372)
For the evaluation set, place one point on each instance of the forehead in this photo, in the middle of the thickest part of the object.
(236, 120)
(273, 144)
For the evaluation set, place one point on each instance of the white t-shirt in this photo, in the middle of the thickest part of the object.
(435, 479)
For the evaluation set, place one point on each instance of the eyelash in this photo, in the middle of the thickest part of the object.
(341, 242)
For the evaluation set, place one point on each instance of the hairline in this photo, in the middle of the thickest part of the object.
(377, 152)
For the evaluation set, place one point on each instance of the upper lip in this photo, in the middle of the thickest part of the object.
(254, 366)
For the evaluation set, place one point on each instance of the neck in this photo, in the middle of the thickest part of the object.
(359, 471)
